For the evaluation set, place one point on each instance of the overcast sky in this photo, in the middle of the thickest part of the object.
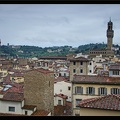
(48, 25)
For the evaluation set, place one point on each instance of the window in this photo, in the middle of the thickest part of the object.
(64, 74)
(74, 63)
(69, 88)
(26, 112)
(115, 72)
(90, 71)
(90, 63)
(74, 70)
(81, 63)
(60, 90)
(102, 91)
(49, 83)
(81, 70)
(78, 102)
(90, 90)
(12, 109)
(59, 102)
(115, 91)
(79, 90)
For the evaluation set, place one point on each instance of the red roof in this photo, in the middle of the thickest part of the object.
(29, 107)
(59, 79)
(111, 102)
(61, 96)
(40, 113)
(96, 79)
(13, 96)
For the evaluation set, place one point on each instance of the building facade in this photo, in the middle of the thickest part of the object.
(39, 89)
(86, 86)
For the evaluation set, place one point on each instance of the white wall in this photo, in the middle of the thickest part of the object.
(64, 87)
(4, 107)
(56, 100)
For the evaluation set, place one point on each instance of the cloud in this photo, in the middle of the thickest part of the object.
(64, 24)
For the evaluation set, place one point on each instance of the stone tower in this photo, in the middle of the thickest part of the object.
(39, 89)
(110, 34)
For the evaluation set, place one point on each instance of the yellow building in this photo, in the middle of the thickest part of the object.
(89, 86)
(108, 105)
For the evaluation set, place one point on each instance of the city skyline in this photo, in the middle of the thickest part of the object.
(47, 25)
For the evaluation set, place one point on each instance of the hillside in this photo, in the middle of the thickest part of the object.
(34, 51)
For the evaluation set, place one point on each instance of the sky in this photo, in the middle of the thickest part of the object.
(48, 25)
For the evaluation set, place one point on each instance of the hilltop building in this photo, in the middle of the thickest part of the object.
(108, 51)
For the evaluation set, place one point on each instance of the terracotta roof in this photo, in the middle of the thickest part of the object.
(114, 67)
(45, 71)
(96, 79)
(13, 96)
(79, 59)
(29, 107)
(40, 113)
(18, 74)
(108, 102)
(61, 96)
(59, 79)
(60, 110)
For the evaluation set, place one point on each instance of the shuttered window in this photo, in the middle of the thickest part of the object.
(115, 91)
(74, 70)
(90, 90)
(102, 91)
(78, 90)
(78, 102)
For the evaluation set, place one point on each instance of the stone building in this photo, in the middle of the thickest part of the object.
(78, 66)
(39, 89)
(108, 51)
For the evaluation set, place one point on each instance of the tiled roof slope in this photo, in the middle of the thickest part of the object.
(13, 96)
(40, 113)
(108, 102)
(80, 59)
(114, 67)
(96, 79)
(61, 96)
(29, 107)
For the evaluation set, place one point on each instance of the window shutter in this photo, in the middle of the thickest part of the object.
(81, 90)
(98, 91)
(75, 90)
(111, 90)
(118, 91)
(105, 91)
(87, 90)
(93, 91)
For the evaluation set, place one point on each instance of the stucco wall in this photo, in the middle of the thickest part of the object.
(4, 107)
(62, 87)
(78, 67)
(56, 101)
(97, 112)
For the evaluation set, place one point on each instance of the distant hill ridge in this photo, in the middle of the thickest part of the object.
(34, 51)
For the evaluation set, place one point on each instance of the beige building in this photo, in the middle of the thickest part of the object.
(39, 89)
(86, 86)
(78, 66)
(108, 105)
